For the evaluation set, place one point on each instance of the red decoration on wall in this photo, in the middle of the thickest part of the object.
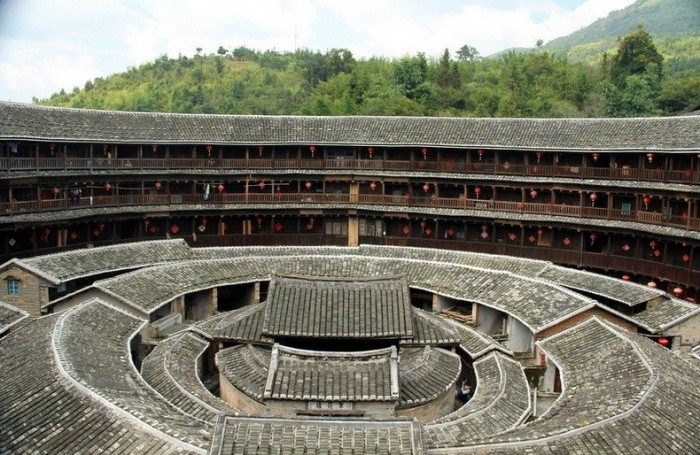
(157, 185)
(96, 232)
(566, 241)
(450, 232)
(370, 151)
(406, 230)
(174, 228)
(512, 236)
(73, 235)
(625, 247)
(532, 239)
(373, 186)
(428, 231)
(153, 229)
(201, 228)
(278, 227)
(312, 149)
(657, 253)
(685, 257)
(678, 291)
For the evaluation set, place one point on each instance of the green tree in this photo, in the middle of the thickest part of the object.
(636, 55)
(467, 54)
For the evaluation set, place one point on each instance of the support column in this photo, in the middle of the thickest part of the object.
(353, 229)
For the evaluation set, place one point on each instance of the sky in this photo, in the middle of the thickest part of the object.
(49, 45)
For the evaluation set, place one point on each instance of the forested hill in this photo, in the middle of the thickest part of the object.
(631, 82)
(674, 24)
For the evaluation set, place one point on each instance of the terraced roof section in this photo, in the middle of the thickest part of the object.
(620, 391)
(26, 121)
(260, 436)
(425, 374)
(246, 367)
(42, 410)
(172, 369)
(537, 303)
(10, 316)
(74, 264)
(507, 410)
(92, 342)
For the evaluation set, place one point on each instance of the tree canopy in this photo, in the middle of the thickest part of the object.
(537, 83)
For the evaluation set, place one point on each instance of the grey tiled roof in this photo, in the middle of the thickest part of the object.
(172, 370)
(297, 374)
(338, 308)
(92, 343)
(430, 329)
(626, 292)
(259, 436)
(537, 303)
(24, 121)
(502, 407)
(620, 393)
(246, 367)
(662, 313)
(74, 264)
(42, 410)
(10, 316)
(243, 325)
(426, 373)
(473, 342)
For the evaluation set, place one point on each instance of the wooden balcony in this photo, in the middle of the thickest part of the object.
(101, 163)
(339, 200)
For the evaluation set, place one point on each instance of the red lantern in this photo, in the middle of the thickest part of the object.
(104, 149)
(596, 156)
(56, 190)
(477, 191)
(308, 185)
(428, 232)
(154, 147)
(652, 244)
(220, 188)
(406, 230)
(278, 227)
(539, 156)
(626, 247)
(593, 197)
(593, 236)
(157, 185)
(260, 149)
(312, 149)
(685, 257)
(424, 151)
(261, 184)
(533, 194)
(678, 291)
(646, 200)
(484, 228)
(626, 277)
(480, 153)
(373, 186)
(651, 284)
(663, 341)
(209, 147)
(650, 157)
(108, 186)
(426, 187)
(52, 146)
(259, 220)
(370, 151)
(540, 231)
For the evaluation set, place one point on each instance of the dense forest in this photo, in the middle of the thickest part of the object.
(633, 79)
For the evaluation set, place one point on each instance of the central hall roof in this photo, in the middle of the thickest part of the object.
(31, 122)
(339, 308)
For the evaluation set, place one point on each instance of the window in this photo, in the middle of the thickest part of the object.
(12, 286)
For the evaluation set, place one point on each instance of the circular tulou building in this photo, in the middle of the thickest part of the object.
(215, 284)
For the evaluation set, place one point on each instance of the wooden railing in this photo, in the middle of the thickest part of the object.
(13, 164)
(349, 201)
